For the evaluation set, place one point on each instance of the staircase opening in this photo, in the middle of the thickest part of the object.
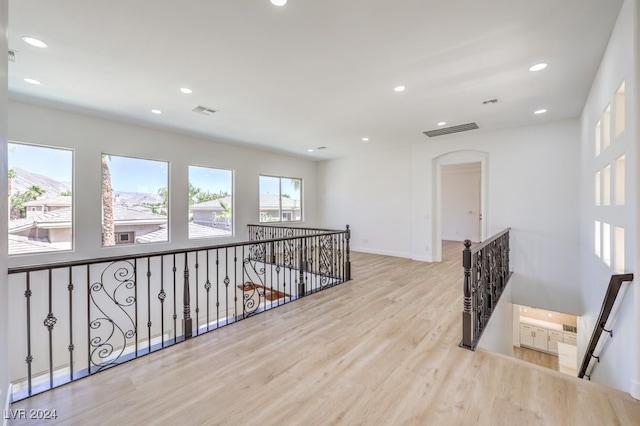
(546, 338)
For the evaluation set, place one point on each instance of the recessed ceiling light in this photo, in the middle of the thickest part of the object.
(310, 150)
(278, 2)
(399, 89)
(35, 42)
(156, 111)
(538, 67)
(540, 111)
(32, 81)
(365, 139)
(186, 90)
(442, 123)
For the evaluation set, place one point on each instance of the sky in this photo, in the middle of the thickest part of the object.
(130, 174)
(51, 162)
(269, 185)
(211, 180)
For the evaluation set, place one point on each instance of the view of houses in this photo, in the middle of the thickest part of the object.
(133, 212)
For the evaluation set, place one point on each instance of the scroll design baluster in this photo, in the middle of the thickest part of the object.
(113, 327)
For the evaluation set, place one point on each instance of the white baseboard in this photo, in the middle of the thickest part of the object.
(381, 252)
(7, 404)
(635, 389)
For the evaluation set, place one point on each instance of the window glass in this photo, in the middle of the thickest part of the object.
(280, 199)
(210, 202)
(135, 200)
(40, 199)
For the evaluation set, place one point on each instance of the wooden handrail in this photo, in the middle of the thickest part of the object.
(607, 305)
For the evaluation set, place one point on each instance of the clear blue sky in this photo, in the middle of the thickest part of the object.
(269, 185)
(211, 180)
(51, 162)
(137, 175)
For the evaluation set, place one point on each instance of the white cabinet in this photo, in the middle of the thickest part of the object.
(569, 338)
(553, 338)
(534, 337)
(544, 339)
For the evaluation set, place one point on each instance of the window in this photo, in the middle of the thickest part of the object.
(135, 200)
(210, 202)
(280, 199)
(40, 199)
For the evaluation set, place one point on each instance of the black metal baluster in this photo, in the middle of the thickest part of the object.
(226, 284)
(161, 296)
(89, 319)
(301, 288)
(197, 301)
(50, 322)
(29, 358)
(149, 302)
(348, 254)
(187, 322)
(135, 280)
(235, 279)
(207, 287)
(71, 347)
(217, 288)
(175, 297)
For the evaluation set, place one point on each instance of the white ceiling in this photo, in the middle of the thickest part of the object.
(311, 73)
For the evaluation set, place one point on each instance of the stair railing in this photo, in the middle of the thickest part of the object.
(486, 273)
(596, 343)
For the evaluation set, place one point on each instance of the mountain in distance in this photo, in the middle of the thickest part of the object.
(25, 180)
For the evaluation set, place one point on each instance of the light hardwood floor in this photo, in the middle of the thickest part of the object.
(379, 350)
(536, 357)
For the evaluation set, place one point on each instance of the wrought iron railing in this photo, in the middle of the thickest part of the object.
(486, 273)
(596, 343)
(74, 319)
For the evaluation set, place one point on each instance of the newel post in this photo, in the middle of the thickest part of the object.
(187, 322)
(466, 300)
(347, 265)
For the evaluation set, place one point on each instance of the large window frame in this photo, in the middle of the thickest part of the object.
(41, 216)
(277, 204)
(139, 206)
(211, 212)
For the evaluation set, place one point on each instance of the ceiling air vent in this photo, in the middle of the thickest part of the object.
(12, 55)
(452, 129)
(204, 110)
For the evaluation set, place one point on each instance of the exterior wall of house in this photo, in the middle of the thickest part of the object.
(619, 366)
(62, 235)
(203, 217)
(89, 137)
(4, 209)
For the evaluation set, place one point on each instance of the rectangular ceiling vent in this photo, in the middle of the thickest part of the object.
(12, 55)
(204, 110)
(452, 129)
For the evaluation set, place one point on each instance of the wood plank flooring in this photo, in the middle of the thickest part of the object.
(379, 350)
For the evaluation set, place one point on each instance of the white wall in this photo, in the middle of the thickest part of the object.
(4, 303)
(621, 359)
(498, 335)
(533, 180)
(89, 137)
(372, 193)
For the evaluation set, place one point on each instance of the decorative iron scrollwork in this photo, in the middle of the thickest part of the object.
(112, 328)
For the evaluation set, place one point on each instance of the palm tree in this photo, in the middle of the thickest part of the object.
(108, 232)
(33, 192)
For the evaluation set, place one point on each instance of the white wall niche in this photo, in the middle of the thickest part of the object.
(619, 110)
(619, 180)
(606, 127)
(606, 185)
